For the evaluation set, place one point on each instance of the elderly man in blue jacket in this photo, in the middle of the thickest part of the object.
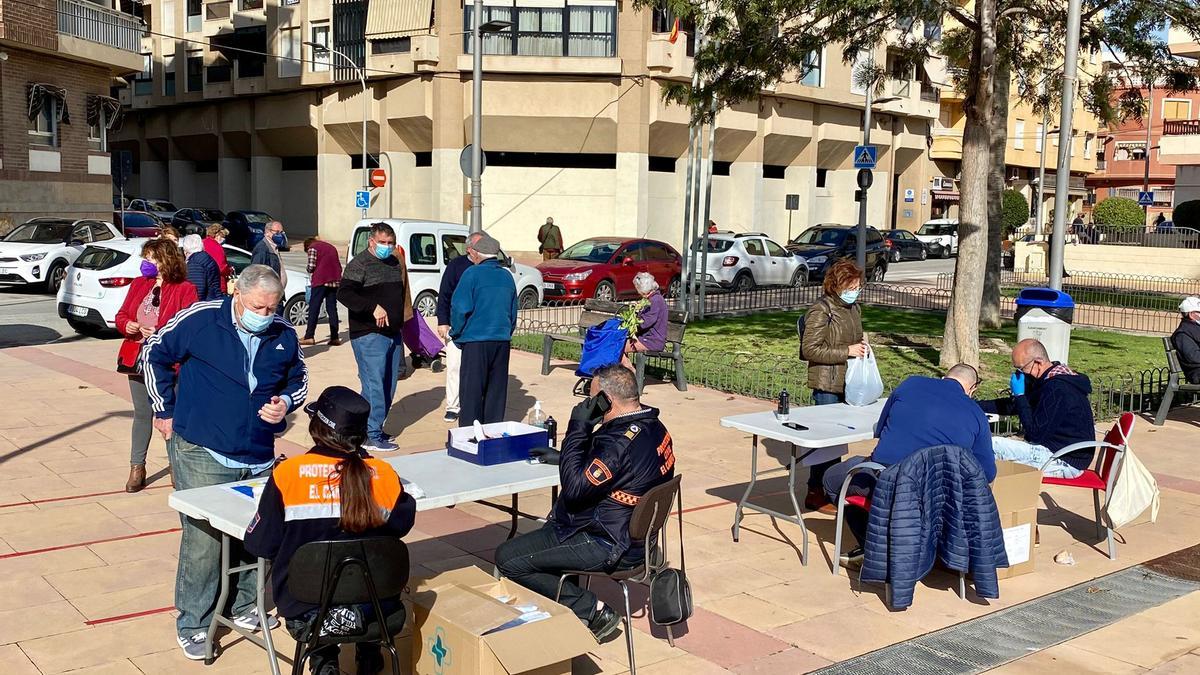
(240, 372)
(483, 316)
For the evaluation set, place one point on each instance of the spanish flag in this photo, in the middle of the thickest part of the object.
(674, 32)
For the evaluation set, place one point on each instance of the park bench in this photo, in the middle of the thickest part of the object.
(596, 312)
(1176, 382)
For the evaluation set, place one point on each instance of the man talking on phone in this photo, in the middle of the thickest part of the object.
(614, 451)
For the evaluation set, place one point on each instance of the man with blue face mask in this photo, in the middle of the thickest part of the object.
(375, 291)
(229, 351)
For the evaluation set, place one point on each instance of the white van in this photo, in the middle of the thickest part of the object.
(429, 245)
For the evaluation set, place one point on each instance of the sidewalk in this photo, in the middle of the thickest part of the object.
(87, 571)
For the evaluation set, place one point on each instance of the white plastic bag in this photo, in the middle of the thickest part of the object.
(1134, 492)
(864, 386)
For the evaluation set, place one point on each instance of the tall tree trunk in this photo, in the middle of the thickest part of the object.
(989, 311)
(961, 339)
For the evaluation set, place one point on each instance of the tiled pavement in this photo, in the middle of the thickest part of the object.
(86, 571)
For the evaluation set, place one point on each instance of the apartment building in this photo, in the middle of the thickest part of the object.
(1179, 144)
(57, 62)
(573, 122)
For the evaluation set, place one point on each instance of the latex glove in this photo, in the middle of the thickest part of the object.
(545, 455)
(1016, 383)
(586, 411)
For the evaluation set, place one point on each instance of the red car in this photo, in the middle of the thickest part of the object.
(136, 224)
(604, 268)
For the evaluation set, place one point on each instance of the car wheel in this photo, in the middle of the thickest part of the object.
(605, 291)
(83, 327)
(673, 287)
(924, 253)
(895, 255)
(426, 303)
(878, 272)
(529, 298)
(945, 252)
(296, 310)
(799, 278)
(743, 282)
(55, 276)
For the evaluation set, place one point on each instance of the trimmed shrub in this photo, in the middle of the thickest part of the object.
(1014, 211)
(1119, 212)
(1187, 214)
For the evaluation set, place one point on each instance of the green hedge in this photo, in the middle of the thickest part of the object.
(1187, 214)
(1119, 212)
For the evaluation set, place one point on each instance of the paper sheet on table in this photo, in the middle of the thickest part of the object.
(412, 489)
(827, 454)
(251, 490)
(1016, 543)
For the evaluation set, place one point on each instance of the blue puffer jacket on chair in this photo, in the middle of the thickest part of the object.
(936, 504)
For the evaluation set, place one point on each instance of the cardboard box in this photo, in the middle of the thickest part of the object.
(506, 442)
(1016, 491)
(456, 617)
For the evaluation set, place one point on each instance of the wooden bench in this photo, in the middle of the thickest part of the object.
(1176, 381)
(596, 312)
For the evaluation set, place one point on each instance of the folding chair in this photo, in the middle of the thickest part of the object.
(1107, 462)
(647, 524)
(353, 572)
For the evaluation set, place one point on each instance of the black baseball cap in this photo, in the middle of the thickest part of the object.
(343, 409)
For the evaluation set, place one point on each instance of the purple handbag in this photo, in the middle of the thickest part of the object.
(420, 338)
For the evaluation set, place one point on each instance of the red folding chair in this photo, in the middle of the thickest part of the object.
(1109, 453)
(853, 501)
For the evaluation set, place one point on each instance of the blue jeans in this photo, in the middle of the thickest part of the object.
(862, 485)
(816, 472)
(197, 579)
(1022, 452)
(380, 360)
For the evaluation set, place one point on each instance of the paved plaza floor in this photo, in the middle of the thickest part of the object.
(87, 572)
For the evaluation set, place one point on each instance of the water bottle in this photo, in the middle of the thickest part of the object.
(552, 432)
(784, 405)
(536, 417)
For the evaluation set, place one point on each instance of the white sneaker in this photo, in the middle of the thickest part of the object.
(195, 646)
(249, 621)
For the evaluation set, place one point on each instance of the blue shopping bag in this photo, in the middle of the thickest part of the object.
(603, 345)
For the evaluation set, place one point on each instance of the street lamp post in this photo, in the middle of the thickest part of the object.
(860, 255)
(362, 79)
(477, 32)
(1062, 172)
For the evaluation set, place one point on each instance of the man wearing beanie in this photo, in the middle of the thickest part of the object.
(483, 315)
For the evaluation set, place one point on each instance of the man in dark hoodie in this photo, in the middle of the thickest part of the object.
(1052, 402)
(1186, 338)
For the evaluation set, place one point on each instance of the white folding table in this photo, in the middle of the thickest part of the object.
(444, 480)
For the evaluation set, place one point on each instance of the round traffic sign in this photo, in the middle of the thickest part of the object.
(464, 161)
(865, 178)
(378, 178)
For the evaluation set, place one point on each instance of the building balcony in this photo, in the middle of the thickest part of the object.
(1182, 44)
(947, 144)
(1180, 142)
(95, 34)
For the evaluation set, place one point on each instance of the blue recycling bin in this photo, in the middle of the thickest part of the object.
(1046, 315)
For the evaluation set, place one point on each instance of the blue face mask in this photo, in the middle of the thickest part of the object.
(254, 323)
(382, 251)
(278, 239)
(849, 296)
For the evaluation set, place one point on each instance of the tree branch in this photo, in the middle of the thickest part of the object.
(959, 14)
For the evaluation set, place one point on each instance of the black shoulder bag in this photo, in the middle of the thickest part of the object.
(670, 594)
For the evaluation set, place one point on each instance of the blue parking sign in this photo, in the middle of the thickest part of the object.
(1146, 198)
(362, 199)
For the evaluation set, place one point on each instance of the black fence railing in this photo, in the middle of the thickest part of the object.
(1160, 237)
(1117, 283)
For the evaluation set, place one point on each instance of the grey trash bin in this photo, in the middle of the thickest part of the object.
(1046, 315)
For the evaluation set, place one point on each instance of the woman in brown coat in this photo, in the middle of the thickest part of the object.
(833, 334)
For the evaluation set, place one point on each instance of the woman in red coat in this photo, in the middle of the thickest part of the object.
(153, 298)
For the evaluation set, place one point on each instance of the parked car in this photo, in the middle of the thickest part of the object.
(162, 208)
(134, 224)
(904, 245)
(196, 221)
(246, 228)
(823, 245)
(604, 268)
(742, 261)
(429, 245)
(940, 236)
(40, 250)
(95, 286)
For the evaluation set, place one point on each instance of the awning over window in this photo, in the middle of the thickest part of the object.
(398, 18)
(944, 195)
(40, 93)
(111, 107)
(938, 72)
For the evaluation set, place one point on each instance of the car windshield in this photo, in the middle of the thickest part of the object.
(821, 237)
(210, 215)
(54, 232)
(256, 217)
(935, 229)
(714, 245)
(591, 250)
(156, 205)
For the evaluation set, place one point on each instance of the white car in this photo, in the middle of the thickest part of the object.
(940, 236)
(743, 261)
(95, 286)
(40, 250)
(429, 246)
(162, 208)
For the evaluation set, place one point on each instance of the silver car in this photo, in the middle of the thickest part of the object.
(741, 262)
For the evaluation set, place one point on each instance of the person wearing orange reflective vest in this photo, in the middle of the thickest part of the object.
(604, 471)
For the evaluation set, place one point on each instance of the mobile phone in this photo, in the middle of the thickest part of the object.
(795, 427)
(603, 403)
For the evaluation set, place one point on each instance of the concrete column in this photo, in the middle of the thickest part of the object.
(265, 177)
(181, 177)
(743, 202)
(233, 178)
(336, 214)
(631, 204)
(631, 194)
(398, 197)
(152, 179)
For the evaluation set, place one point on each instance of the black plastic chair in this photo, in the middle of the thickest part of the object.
(353, 572)
(647, 524)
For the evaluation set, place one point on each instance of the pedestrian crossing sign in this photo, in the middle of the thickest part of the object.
(864, 156)
(1145, 198)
